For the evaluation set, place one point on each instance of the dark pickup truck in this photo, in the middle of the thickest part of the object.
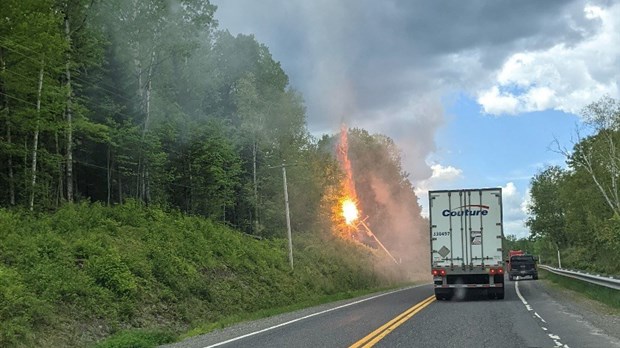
(522, 266)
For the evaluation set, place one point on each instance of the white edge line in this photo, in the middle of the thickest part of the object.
(556, 339)
(310, 316)
(519, 294)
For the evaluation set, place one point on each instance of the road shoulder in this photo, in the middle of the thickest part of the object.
(601, 316)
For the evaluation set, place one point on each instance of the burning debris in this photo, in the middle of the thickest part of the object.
(350, 212)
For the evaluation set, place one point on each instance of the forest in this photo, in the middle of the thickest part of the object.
(575, 209)
(141, 154)
(107, 101)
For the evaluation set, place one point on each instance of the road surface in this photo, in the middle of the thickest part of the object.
(531, 315)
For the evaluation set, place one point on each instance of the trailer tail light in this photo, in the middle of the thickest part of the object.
(438, 272)
(493, 271)
(435, 272)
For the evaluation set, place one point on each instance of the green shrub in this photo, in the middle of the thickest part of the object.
(138, 339)
(93, 269)
(20, 310)
(111, 273)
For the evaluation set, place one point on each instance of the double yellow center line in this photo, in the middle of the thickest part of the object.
(388, 327)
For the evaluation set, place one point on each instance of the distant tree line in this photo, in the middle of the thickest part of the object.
(576, 209)
(147, 100)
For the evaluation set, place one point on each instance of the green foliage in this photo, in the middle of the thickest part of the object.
(575, 210)
(127, 266)
(602, 294)
(20, 310)
(179, 116)
(547, 209)
(111, 273)
(138, 339)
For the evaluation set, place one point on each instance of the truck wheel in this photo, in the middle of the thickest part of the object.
(535, 277)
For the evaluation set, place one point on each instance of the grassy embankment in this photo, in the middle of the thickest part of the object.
(131, 276)
(607, 296)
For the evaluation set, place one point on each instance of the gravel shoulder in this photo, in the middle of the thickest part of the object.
(601, 316)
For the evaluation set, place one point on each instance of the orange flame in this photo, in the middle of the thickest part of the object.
(349, 206)
(343, 157)
(349, 211)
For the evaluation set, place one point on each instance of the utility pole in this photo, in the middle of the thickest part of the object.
(288, 216)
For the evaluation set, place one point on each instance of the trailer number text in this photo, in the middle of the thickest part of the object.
(441, 234)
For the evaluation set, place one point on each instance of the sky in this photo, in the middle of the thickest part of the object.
(474, 93)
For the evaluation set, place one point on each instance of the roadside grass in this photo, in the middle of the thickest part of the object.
(607, 296)
(138, 339)
(131, 276)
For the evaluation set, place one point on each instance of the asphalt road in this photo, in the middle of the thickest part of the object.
(531, 315)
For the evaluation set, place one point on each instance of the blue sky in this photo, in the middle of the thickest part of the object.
(492, 151)
(472, 92)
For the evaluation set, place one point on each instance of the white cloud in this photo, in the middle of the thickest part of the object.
(494, 102)
(514, 203)
(442, 178)
(509, 190)
(562, 77)
(448, 173)
(527, 200)
(441, 175)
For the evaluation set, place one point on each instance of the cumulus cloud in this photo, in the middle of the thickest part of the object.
(442, 177)
(563, 77)
(385, 65)
(515, 213)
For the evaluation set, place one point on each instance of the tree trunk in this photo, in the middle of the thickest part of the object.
(120, 186)
(139, 176)
(146, 195)
(60, 188)
(69, 117)
(189, 199)
(35, 141)
(10, 159)
(6, 111)
(255, 189)
(25, 176)
(138, 63)
(109, 165)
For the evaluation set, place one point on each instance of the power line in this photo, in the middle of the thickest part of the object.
(18, 99)
(79, 79)
(132, 174)
(30, 78)
(89, 83)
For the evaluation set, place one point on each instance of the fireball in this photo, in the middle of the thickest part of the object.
(349, 211)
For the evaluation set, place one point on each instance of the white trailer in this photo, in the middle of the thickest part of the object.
(466, 241)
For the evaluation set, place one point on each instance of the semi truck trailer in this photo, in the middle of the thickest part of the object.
(466, 233)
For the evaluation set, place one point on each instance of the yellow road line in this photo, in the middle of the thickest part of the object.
(376, 336)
